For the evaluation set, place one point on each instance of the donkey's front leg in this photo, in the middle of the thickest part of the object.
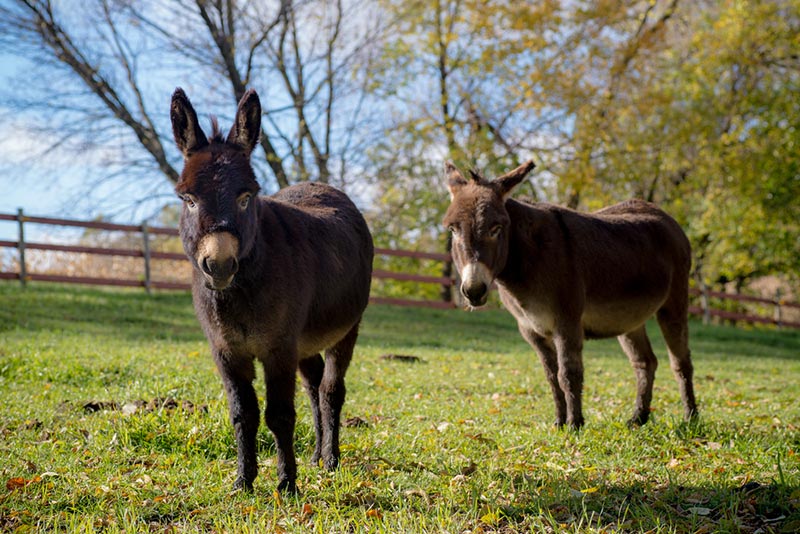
(280, 369)
(569, 348)
(547, 354)
(237, 378)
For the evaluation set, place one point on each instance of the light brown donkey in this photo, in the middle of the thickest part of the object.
(568, 276)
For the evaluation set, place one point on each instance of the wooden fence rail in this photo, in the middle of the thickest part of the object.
(704, 310)
(23, 275)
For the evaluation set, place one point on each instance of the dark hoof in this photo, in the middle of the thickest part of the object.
(638, 420)
(287, 486)
(332, 464)
(243, 485)
(576, 425)
(315, 458)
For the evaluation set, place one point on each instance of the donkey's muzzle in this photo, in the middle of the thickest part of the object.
(219, 273)
(475, 294)
(217, 259)
(475, 280)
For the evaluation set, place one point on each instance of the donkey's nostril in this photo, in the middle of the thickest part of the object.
(219, 269)
(204, 265)
(474, 293)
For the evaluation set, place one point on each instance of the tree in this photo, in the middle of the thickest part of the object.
(116, 62)
(691, 105)
(694, 111)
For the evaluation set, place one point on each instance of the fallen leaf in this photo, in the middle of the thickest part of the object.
(374, 513)
(15, 483)
(19, 482)
(356, 422)
(307, 510)
(699, 510)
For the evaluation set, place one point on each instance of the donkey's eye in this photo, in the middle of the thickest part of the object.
(495, 231)
(190, 201)
(243, 201)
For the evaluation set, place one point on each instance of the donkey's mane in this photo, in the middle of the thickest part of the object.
(216, 134)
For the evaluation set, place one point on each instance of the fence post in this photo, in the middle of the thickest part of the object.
(704, 302)
(23, 274)
(778, 311)
(146, 250)
(447, 271)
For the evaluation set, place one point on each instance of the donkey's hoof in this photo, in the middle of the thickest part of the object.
(315, 458)
(287, 486)
(575, 424)
(638, 420)
(243, 485)
(332, 463)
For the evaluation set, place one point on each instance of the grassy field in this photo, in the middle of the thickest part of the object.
(113, 419)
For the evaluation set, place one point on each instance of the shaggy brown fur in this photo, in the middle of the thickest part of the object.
(276, 280)
(567, 276)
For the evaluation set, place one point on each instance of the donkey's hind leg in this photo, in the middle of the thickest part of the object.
(332, 394)
(311, 370)
(675, 328)
(637, 347)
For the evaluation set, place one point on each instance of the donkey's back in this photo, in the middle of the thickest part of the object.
(321, 234)
(625, 262)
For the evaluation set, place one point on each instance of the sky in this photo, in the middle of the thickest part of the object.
(46, 188)
(17, 190)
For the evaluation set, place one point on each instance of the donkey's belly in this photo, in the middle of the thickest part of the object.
(311, 343)
(613, 318)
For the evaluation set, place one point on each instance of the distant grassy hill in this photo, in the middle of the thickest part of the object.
(114, 419)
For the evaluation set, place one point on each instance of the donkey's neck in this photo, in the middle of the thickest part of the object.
(525, 238)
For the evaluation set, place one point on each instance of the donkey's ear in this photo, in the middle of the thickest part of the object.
(455, 180)
(506, 183)
(247, 127)
(187, 132)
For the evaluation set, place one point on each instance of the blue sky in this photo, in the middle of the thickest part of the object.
(17, 189)
(53, 187)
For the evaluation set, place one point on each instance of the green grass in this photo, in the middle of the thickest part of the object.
(458, 442)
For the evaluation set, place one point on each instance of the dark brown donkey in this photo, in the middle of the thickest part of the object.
(567, 276)
(275, 279)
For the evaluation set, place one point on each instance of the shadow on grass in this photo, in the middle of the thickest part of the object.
(636, 508)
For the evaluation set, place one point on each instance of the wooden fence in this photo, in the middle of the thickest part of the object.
(704, 309)
(148, 256)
